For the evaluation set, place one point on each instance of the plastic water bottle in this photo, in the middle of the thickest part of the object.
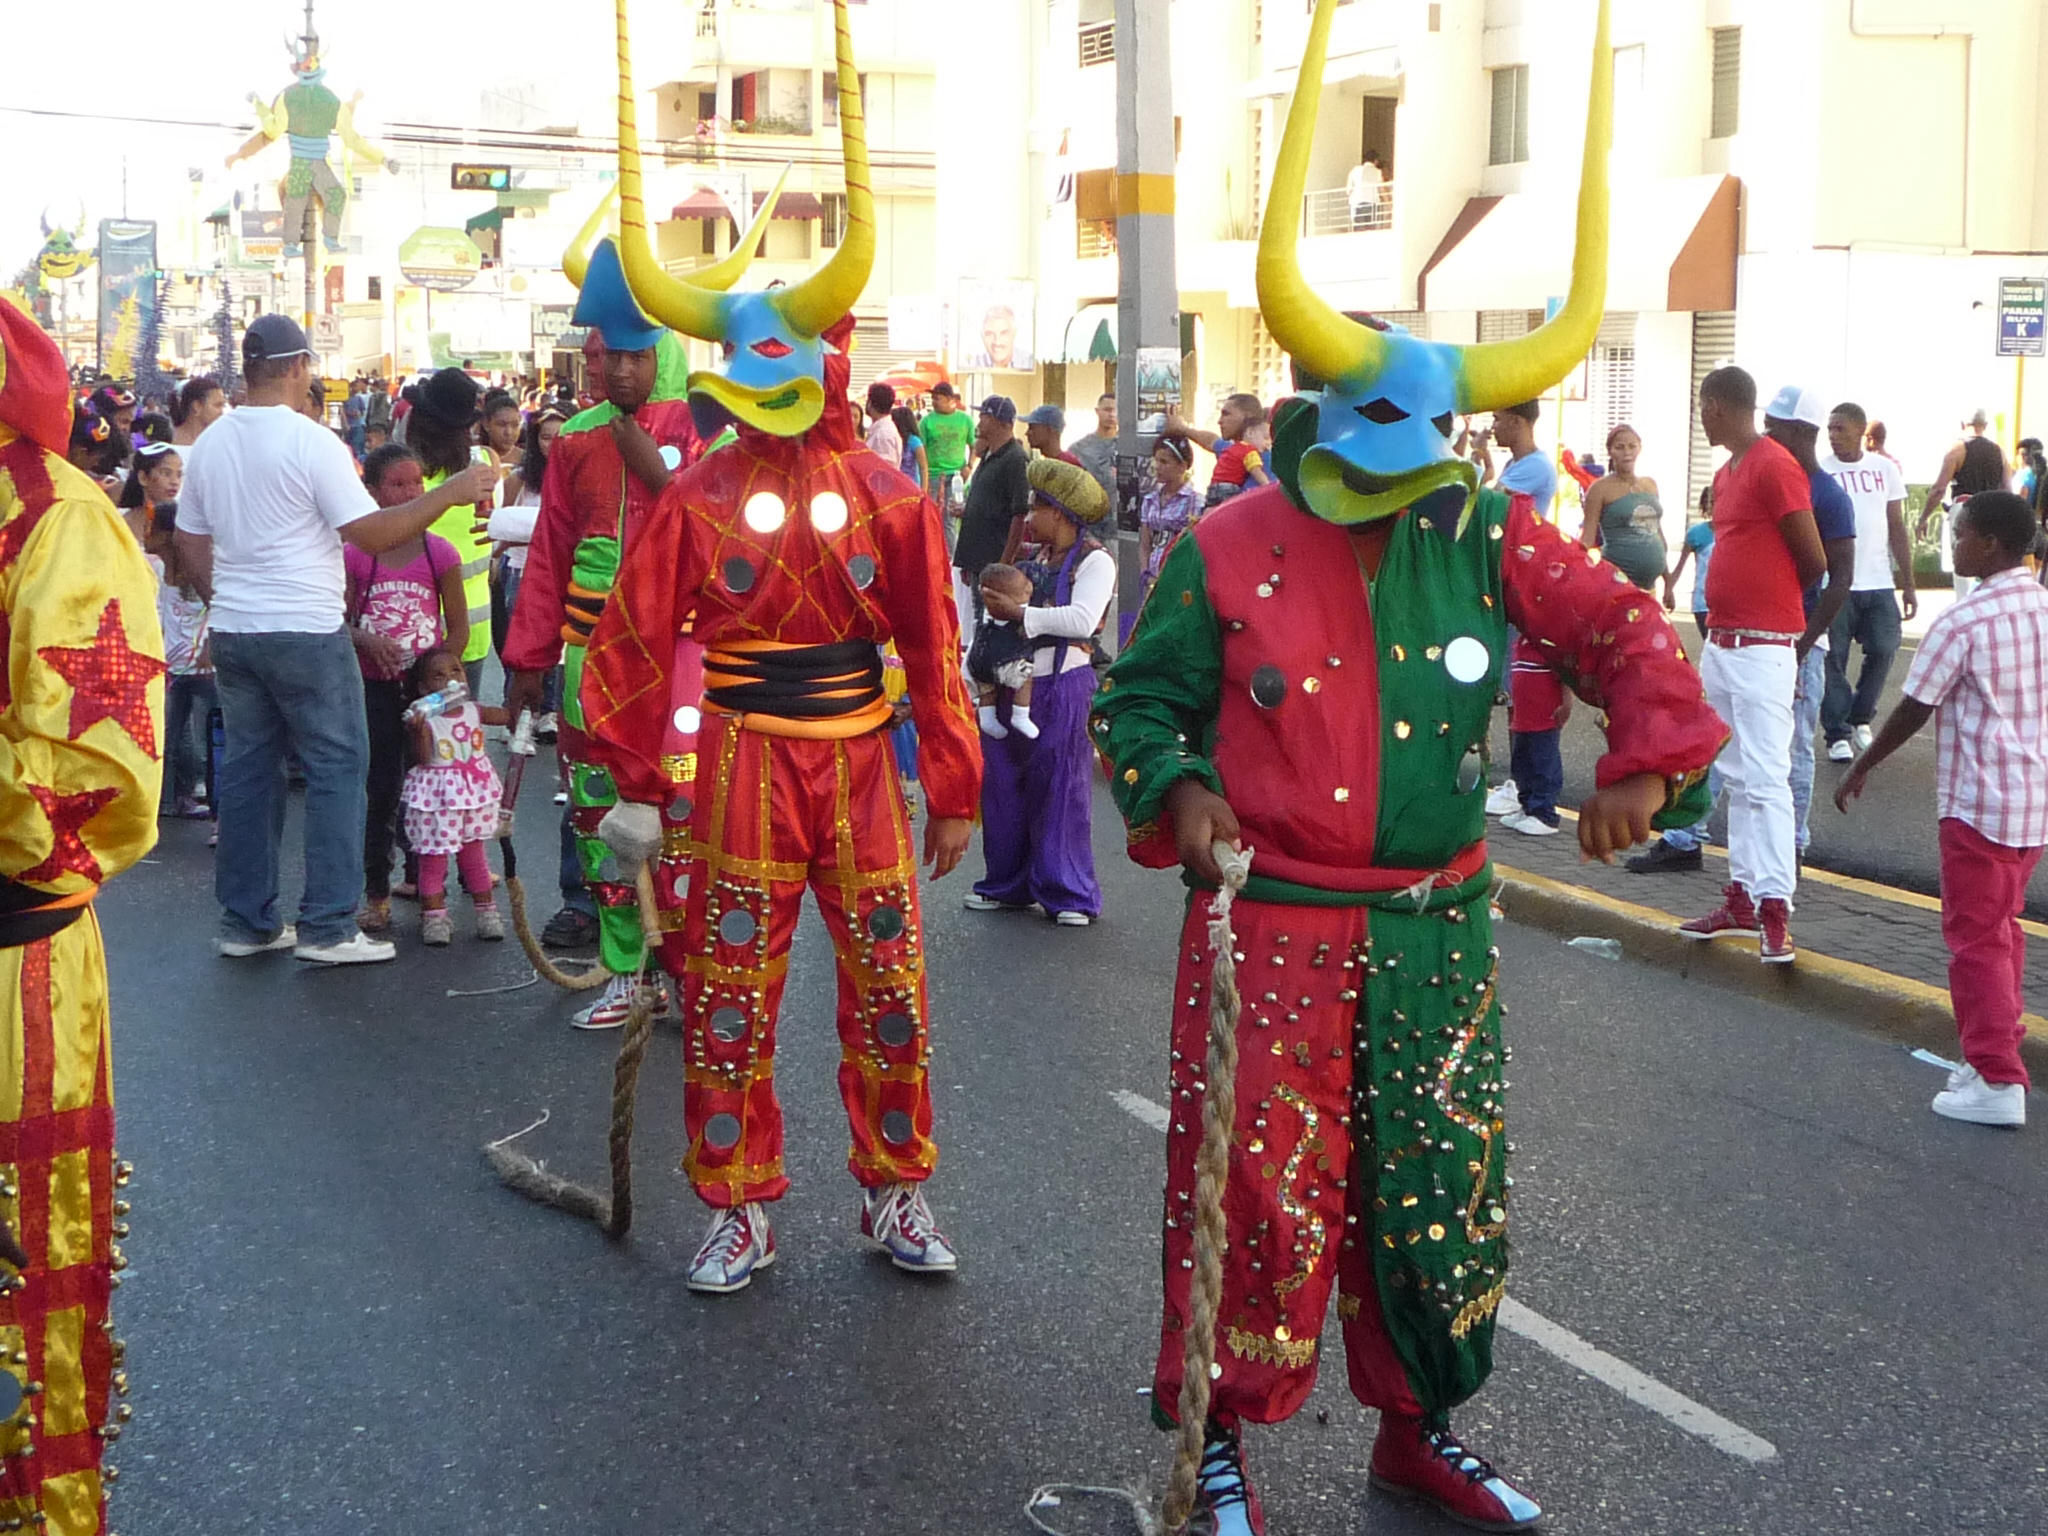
(1606, 949)
(454, 696)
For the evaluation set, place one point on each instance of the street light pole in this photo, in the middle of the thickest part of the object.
(1148, 283)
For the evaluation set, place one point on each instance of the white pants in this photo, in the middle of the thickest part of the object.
(1751, 689)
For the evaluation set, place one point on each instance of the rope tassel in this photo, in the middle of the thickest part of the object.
(1212, 1172)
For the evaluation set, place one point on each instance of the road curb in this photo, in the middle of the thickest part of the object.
(1898, 1007)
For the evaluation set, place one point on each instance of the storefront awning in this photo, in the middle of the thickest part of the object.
(1091, 336)
(1674, 249)
(792, 205)
(701, 204)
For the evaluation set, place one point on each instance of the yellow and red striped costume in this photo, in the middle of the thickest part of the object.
(81, 722)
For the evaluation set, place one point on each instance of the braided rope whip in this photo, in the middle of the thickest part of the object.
(569, 981)
(1212, 1172)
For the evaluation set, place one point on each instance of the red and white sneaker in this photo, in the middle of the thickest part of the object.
(1735, 915)
(1774, 913)
(1411, 1460)
(740, 1241)
(896, 1219)
(616, 1001)
(1226, 1504)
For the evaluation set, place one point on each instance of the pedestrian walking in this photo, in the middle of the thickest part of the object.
(451, 793)
(1624, 519)
(1528, 471)
(1975, 465)
(267, 503)
(402, 603)
(1884, 559)
(1036, 787)
(189, 694)
(948, 433)
(1982, 676)
(916, 464)
(1793, 420)
(1677, 851)
(1767, 549)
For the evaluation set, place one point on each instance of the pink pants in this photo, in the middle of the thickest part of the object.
(1983, 887)
(474, 867)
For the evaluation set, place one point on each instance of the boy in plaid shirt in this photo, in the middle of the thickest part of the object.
(1982, 673)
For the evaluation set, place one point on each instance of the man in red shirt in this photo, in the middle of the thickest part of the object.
(1767, 549)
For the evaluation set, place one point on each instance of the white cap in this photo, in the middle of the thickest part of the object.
(1793, 403)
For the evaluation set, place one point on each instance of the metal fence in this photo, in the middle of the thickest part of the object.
(1330, 212)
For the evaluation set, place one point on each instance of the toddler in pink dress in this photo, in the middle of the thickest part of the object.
(451, 798)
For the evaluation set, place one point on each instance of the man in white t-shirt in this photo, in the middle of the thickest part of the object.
(268, 498)
(1871, 616)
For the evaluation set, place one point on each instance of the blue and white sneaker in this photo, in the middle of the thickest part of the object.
(896, 1219)
(740, 1241)
(1226, 1504)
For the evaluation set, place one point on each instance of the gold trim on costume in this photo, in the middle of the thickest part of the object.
(1288, 1354)
(1304, 1219)
(1478, 1310)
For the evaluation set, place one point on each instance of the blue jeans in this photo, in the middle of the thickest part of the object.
(188, 700)
(1813, 682)
(290, 692)
(1536, 762)
(1871, 620)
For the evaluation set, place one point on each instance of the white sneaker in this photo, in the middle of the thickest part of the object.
(1864, 737)
(1969, 1097)
(238, 949)
(615, 1002)
(740, 1241)
(1504, 801)
(896, 1220)
(1527, 825)
(1072, 919)
(357, 949)
(976, 902)
(1841, 752)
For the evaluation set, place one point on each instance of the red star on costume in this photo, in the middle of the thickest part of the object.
(111, 680)
(68, 853)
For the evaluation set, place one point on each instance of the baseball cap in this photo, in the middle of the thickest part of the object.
(943, 388)
(271, 337)
(1793, 403)
(1047, 416)
(1002, 407)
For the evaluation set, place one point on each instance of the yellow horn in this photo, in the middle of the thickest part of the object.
(576, 259)
(812, 306)
(679, 306)
(1322, 340)
(1504, 373)
(722, 275)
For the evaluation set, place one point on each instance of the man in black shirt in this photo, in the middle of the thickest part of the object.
(1973, 466)
(998, 497)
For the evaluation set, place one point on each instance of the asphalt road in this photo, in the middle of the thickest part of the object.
(1891, 836)
(339, 1323)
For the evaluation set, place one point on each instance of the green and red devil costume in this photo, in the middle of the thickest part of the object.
(1324, 654)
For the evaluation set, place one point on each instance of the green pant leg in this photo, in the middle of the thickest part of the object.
(1436, 1165)
(621, 945)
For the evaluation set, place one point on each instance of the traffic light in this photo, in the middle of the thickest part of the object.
(480, 178)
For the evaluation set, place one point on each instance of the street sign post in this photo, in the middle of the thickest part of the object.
(2022, 307)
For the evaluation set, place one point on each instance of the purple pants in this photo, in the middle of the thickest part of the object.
(1035, 798)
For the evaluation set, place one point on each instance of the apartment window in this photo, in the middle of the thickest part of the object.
(1509, 141)
(1098, 43)
(830, 111)
(832, 223)
(376, 289)
(1727, 82)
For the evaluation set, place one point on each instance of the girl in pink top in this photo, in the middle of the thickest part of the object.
(451, 797)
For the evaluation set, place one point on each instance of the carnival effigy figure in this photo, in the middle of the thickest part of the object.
(309, 115)
(1311, 679)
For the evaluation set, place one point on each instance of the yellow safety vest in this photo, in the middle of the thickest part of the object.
(473, 548)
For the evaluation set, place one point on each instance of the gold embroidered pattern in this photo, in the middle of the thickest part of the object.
(1288, 1354)
(1305, 1220)
(1348, 1308)
(679, 767)
(1476, 1231)
(1477, 1310)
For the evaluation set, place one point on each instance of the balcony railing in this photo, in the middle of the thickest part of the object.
(1098, 43)
(1094, 237)
(1331, 212)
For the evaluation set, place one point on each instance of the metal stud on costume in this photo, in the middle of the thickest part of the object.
(793, 553)
(1324, 653)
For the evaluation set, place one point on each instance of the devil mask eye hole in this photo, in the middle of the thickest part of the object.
(1382, 412)
(772, 347)
(1444, 423)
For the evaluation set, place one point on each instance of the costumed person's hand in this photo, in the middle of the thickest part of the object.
(945, 843)
(639, 452)
(632, 831)
(1000, 606)
(522, 693)
(1619, 816)
(1851, 787)
(1201, 818)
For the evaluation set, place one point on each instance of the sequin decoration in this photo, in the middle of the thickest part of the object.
(1307, 1223)
(896, 1128)
(1269, 686)
(1403, 730)
(739, 574)
(738, 926)
(1467, 659)
(862, 569)
(728, 1024)
(722, 1132)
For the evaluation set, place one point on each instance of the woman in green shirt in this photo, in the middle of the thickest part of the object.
(439, 430)
(1624, 518)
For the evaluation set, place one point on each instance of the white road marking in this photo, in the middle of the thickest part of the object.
(1695, 1419)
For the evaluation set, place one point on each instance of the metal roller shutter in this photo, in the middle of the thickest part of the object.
(871, 357)
(1713, 346)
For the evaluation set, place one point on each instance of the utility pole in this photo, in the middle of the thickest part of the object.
(311, 39)
(1148, 282)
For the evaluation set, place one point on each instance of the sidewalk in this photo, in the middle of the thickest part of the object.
(1870, 949)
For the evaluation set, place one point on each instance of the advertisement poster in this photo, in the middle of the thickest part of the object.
(127, 292)
(997, 329)
(1158, 386)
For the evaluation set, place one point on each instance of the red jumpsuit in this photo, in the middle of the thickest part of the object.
(771, 546)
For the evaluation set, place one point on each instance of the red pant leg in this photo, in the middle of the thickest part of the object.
(864, 876)
(1285, 1203)
(1983, 888)
(739, 916)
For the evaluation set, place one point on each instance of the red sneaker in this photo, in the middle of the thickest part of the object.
(1776, 915)
(1226, 1504)
(1736, 914)
(1412, 1461)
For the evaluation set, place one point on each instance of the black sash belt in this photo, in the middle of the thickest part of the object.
(25, 915)
(809, 682)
